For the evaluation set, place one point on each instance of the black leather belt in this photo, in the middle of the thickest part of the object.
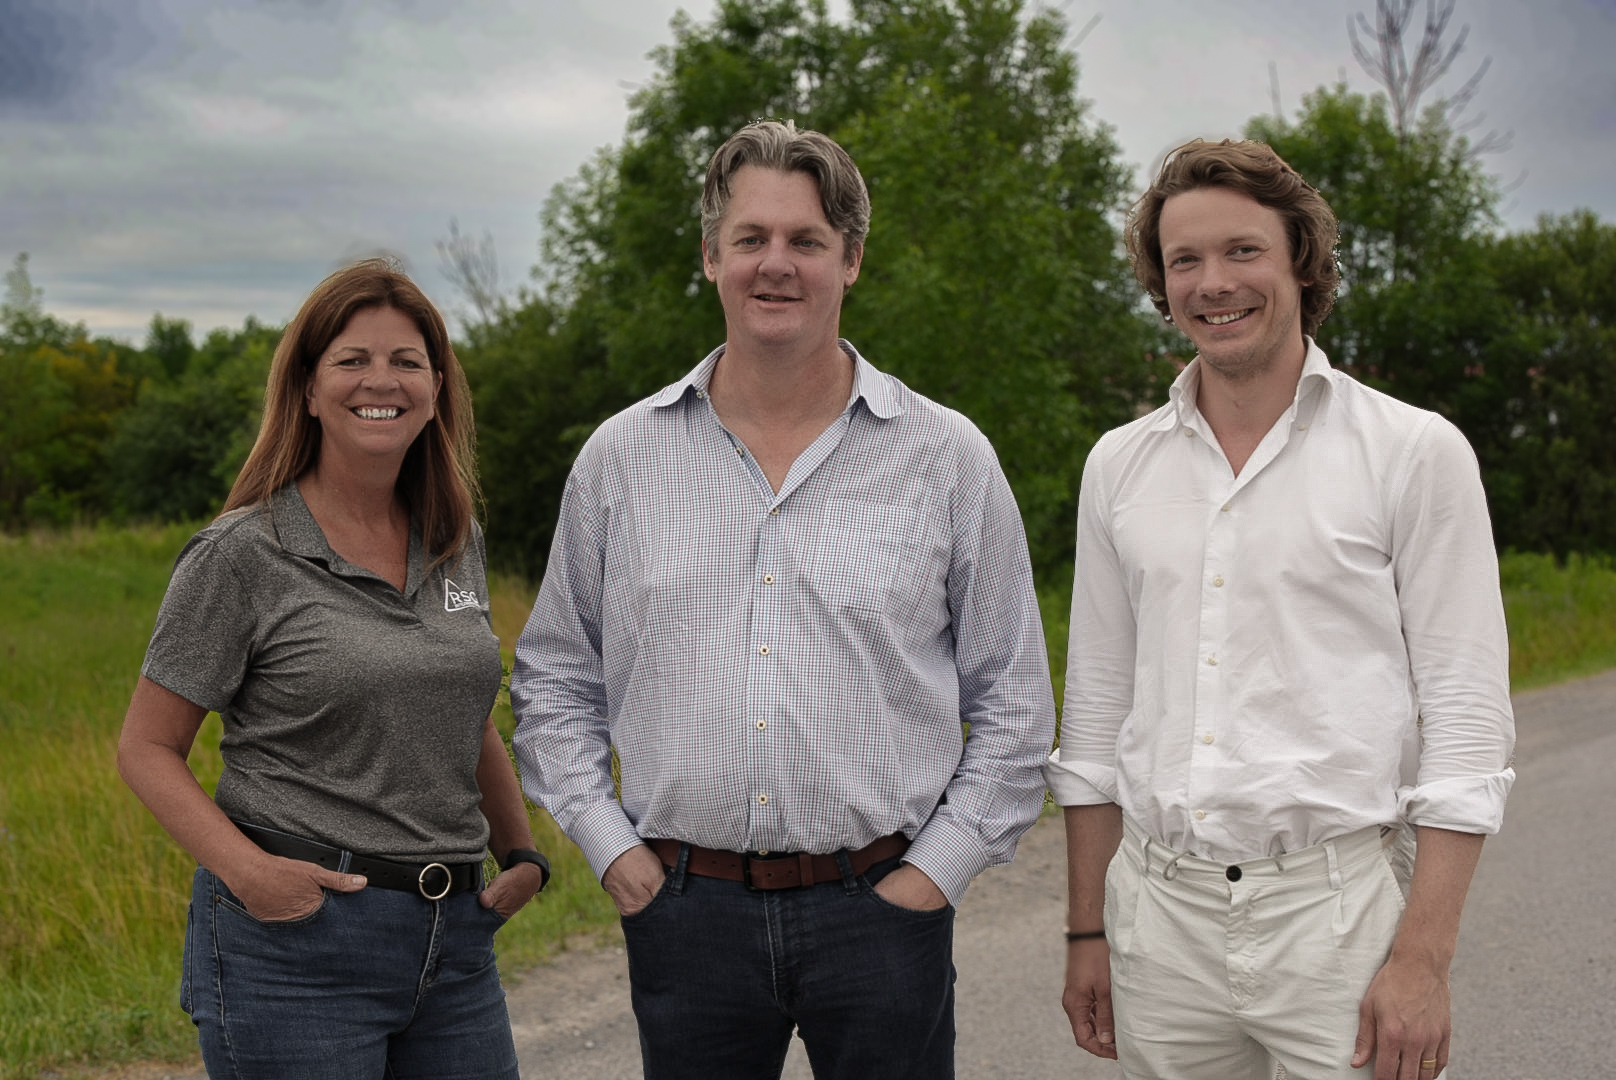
(434, 881)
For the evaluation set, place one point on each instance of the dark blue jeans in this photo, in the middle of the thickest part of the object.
(721, 974)
(377, 983)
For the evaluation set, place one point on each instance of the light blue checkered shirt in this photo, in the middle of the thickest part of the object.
(788, 671)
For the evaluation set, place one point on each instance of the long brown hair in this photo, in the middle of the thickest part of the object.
(438, 478)
(1253, 169)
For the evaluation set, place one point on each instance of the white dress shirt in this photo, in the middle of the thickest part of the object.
(1262, 662)
(791, 670)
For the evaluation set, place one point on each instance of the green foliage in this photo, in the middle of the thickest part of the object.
(174, 455)
(1550, 454)
(1415, 209)
(1510, 337)
(991, 279)
(60, 402)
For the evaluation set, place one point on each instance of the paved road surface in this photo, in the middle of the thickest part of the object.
(1534, 987)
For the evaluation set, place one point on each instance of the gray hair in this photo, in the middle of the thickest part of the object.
(770, 144)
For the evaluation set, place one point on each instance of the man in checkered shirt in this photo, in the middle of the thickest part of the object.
(783, 588)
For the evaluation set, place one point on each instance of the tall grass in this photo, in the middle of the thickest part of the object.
(1562, 617)
(93, 893)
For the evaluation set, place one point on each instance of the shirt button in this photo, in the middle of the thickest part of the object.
(1211, 661)
(763, 800)
(741, 450)
(774, 510)
(768, 579)
(1209, 740)
(1217, 582)
(761, 724)
(763, 650)
(1224, 508)
(1200, 815)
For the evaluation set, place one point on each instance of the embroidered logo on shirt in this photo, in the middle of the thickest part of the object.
(457, 599)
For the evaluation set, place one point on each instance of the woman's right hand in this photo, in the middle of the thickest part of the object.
(284, 890)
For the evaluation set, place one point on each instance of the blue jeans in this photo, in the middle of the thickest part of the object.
(720, 975)
(374, 984)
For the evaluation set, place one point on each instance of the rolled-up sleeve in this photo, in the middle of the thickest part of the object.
(1453, 621)
(1100, 655)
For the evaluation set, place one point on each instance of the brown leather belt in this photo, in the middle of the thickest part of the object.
(756, 870)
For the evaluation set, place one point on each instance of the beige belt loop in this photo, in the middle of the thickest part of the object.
(1334, 863)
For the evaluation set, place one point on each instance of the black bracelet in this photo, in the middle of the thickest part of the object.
(521, 855)
(1084, 935)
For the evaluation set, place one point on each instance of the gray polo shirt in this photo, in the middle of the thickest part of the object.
(353, 713)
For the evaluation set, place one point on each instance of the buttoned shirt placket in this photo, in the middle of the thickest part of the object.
(1224, 536)
(765, 824)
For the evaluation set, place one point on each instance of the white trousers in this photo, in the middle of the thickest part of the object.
(1220, 973)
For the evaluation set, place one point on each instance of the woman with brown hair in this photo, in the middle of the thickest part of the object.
(336, 617)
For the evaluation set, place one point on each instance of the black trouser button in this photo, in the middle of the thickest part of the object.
(1233, 873)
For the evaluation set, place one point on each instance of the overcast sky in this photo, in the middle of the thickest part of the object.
(211, 159)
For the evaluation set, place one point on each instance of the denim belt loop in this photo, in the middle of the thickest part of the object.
(676, 876)
(343, 860)
(844, 862)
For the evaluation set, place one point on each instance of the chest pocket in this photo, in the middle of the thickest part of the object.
(866, 554)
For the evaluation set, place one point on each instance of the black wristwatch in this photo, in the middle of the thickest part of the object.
(518, 855)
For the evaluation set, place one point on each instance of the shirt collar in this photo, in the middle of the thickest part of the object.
(299, 533)
(1181, 395)
(869, 384)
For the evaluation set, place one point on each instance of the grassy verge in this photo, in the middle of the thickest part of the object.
(93, 905)
(92, 912)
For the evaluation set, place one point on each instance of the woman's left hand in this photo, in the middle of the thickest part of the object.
(512, 889)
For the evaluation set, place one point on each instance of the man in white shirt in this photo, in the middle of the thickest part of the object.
(1287, 654)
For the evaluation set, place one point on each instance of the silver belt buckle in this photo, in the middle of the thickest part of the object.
(448, 881)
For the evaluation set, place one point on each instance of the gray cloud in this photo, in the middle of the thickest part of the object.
(214, 158)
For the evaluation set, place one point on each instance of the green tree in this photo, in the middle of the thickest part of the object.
(992, 278)
(1550, 454)
(61, 392)
(1416, 209)
(175, 453)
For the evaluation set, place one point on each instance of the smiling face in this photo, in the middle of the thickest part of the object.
(1229, 282)
(780, 267)
(373, 389)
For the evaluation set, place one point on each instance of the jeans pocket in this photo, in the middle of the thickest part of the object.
(494, 913)
(231, 902)
(654, 903)
(923, 914)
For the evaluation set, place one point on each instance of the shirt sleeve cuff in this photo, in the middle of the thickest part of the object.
(602, 833)
(948, 855)
(1472, 804)
(1080, 783)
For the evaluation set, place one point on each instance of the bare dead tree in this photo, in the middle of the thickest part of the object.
(1382, 52)
(473, 268)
